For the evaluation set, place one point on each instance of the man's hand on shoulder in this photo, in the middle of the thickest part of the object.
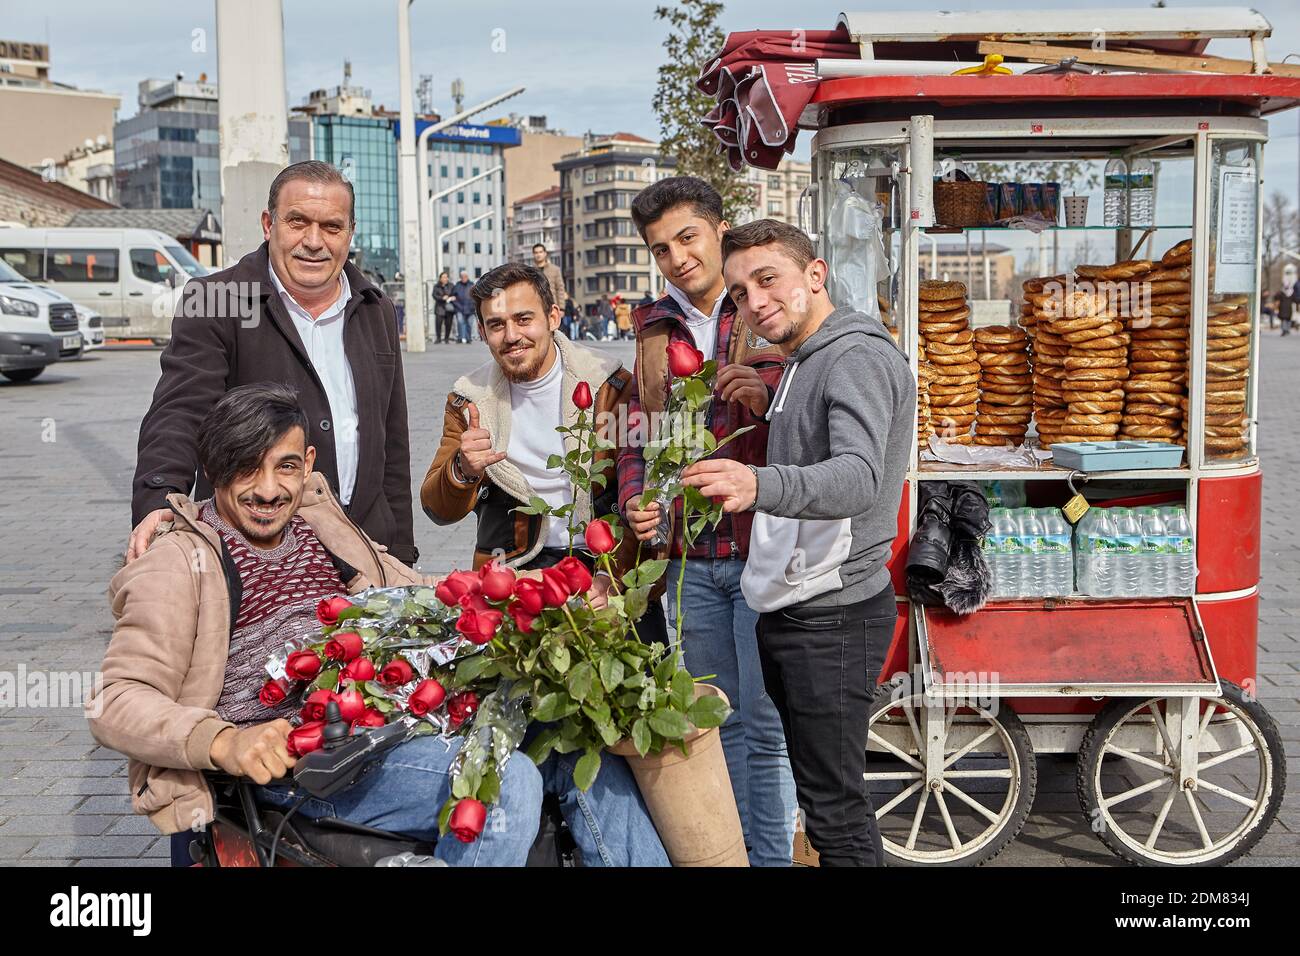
(258, 752)
(143, 533)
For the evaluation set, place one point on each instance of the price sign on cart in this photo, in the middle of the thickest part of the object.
(1235, 252)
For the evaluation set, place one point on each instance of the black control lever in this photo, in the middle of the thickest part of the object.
(343, 756)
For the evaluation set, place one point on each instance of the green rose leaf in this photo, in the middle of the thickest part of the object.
(669, 723)
(554, 461)
(611, 672)
(490, 788)
(580, 679)
(327, 679)
(641, 736)
(445, 814)
(708, 712)
(559, 658)
(472, 668)
(683, 691)
(551, 706)
(584, 772)
(541, 746)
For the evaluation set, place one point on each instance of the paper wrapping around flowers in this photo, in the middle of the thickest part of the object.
(665, 498)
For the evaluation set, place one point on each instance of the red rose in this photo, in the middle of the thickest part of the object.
(456, 585)
(327, 611)
(523, 620)
(305, 738)
(462, 707)
(684, 359)
(302, 665)
(582, 395)
(428, 695)
(314, 708)
(528, 594)
(575, 573)
(351, 704)
(344, 646)
(478, 626)
(498, 582)
(599, 537)
(273, 692)
(359, 668)
(467, 819)
(370, 718)
(396, 672)
(555, 587)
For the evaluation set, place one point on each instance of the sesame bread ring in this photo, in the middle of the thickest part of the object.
(1097, 374)
(928, 328)
(1039, 282)
(953, 315)
(941, 305)
(1167, 378)
(1176, 309)
(1226, 312)
(1151, 431)
(1100, 332)
(948, 420)
(1224, 446)
(1147, 420)
(1086, 361)
(1000, 398)
(1175, 274)
(1226, 331)
(964, 337)
(1106, 349)
(990, 378)
(964, 357)
(1234, 418)
(1090, 272)
(1065, 325)
(1225, 398)
(948, 348)
(1224, 384)
(1157, 355)
(1167, 345)
(1106, 418)
(1153, 408)
(1022, 415)
(957, 391)
(990, 428)
(1096, 408)
(1230, 298)
(947, 371)
(955, 381)
(1157, 366)
(939, 409)
(995, 440)
(1220, 431)
(999, 335)
(1005, 390)
(1152, 322)
(1226, 344)
(1022, 369)
(1128, 269)
(933, 290)
(1169, 288)
(1227, 355)
(1183, 248)
(1073, 390)
(1094, 431)
(1226, 367)
(1096, 395)
(1139, 335)
(994, 359)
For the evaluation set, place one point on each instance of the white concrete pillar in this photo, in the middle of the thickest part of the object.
(253, 116)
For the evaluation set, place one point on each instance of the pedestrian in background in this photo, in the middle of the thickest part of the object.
(444, 307)
(572, 325)
(623, 317)
(464, 305)
(605, 313)
(1287, 298)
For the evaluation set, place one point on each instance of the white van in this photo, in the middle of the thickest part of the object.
(131, 277)
(38, 327)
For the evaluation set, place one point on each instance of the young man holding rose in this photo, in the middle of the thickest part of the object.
(827, 502)
(681, 221)
(215, 595)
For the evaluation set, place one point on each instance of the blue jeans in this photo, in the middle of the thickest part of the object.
(609, 822)
(404, 790)
(463, 327)
(719, 639)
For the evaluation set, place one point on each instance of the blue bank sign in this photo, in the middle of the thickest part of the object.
(467, 133)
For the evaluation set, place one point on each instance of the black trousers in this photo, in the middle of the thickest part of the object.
(820, 666)
(442, 325)
(653, 625)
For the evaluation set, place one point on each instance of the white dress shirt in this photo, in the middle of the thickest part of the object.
(322, 337)
(704, 328)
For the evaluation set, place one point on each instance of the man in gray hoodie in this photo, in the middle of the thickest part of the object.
(827, 503)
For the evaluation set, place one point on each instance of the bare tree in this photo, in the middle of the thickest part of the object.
(1280, 234)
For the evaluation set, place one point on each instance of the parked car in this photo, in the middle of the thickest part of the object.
(131, 277)
(38, 327)
(91, 325)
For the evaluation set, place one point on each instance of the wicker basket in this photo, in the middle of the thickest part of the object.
(960, 203)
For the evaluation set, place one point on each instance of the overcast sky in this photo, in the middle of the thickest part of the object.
(587, 65)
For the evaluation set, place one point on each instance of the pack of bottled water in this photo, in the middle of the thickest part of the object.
(1029, 551)
(1142, 552)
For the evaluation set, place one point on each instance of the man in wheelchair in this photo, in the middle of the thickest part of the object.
(226, 584)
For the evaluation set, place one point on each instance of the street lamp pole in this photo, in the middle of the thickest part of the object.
(412, 273)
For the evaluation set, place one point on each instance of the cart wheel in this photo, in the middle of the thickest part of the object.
(1159, 806)
(977, 801)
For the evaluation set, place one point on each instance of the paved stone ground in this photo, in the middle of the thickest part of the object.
(67, 448)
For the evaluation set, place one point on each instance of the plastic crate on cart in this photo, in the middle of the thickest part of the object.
(1116, 455)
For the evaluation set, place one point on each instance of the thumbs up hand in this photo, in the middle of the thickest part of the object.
(476, 448)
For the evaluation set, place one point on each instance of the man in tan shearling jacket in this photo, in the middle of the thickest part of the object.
(198, 614)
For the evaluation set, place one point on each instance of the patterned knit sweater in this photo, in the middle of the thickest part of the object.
(281, 588)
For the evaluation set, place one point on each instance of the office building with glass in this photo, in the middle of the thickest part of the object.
(167, 156)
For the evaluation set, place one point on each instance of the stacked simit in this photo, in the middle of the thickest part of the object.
(1006, 385)
(949, 346)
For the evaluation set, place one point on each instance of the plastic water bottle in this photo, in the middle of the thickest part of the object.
(1083, 550)
(1105, 566)
(1058, 551)
(1116, 193)
(1033, 561)
(1182, 550)
(1155, 547)
(1006, 564)
(1142, 192)
(1128, 550)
